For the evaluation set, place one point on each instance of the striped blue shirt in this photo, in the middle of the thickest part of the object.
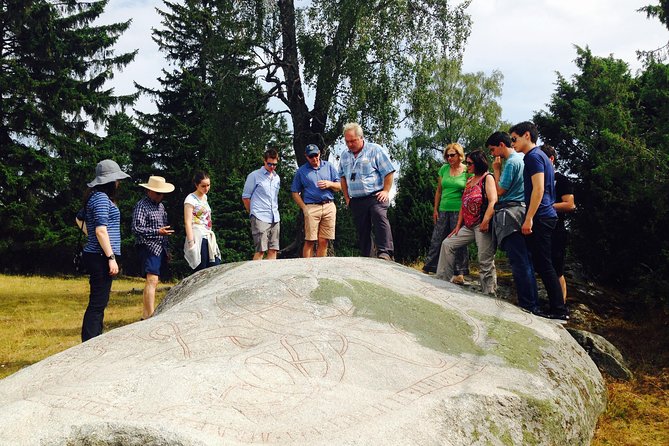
(147, 218)
(101, 211)
(263, 190)
(365, 173)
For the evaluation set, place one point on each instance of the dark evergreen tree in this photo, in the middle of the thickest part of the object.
(608, 129)
(212, 114)
(411, 217)
(53, 67)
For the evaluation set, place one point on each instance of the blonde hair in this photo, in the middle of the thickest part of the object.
(457, 147)
(355, 127)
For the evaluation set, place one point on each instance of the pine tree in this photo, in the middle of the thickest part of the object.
(53, 67)
(212, 114)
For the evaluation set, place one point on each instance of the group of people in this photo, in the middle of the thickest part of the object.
(520, 207)
(365, 176)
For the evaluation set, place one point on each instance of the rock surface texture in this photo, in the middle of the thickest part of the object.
(607, 357)
(334, 351)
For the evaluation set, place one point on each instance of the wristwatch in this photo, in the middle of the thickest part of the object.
(111, 257)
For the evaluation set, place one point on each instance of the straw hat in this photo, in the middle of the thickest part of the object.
(158, 184)
(107, 171)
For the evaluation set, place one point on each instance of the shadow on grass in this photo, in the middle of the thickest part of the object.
(53, 332)
(119, 323)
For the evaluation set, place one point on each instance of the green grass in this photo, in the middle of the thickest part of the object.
(41, 316)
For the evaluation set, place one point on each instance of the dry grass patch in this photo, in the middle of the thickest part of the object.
(41, 316)
(637, 413)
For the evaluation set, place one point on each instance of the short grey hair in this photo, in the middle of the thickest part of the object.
(355, 127)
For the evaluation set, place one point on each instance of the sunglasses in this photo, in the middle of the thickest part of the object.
(271, 164)
(514, 139)
(469, 163)
(313, 156)
(451, 155)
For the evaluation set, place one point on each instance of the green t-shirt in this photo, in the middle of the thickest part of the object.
(451, 189)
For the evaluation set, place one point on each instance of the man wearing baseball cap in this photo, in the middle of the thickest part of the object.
(313, 190)
(149, 224)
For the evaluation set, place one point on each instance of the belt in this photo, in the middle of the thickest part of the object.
(508, 204)
(373, 194)
(322, 202)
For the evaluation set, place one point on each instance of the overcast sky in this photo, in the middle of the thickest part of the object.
(527, 40)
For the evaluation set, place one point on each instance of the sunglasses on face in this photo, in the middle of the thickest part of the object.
(514, 139)
(451, 155)
(315, 155)
(469, 163)
(271, 164)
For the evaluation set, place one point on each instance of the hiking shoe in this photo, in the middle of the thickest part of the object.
(385, 256)
(560, 318)
(458, 280)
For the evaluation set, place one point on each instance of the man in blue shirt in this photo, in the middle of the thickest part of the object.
(540, 218)
(313, 190)
(509, 216)
(149, 224)
(261, 200)
(366, 174)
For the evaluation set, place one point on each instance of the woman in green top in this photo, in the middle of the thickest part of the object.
(447, 203)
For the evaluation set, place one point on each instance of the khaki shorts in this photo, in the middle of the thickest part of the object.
(319, 221)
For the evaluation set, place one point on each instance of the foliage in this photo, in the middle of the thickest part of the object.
(448, 105)
(212, 114)
(355, 59)
(414, 201)
(609, 136)
(53, 64)
(661, 12)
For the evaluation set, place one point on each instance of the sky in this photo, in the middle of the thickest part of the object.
(529, 41)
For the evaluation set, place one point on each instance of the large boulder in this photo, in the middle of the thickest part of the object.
(335, 351)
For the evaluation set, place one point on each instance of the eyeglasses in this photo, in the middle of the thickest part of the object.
(271, 164)
(514, 139)
(313, 156)
(451, 155)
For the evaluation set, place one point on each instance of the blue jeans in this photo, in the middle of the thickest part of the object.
(100, 282)
(521, 268)
(204, 255)
(539, 244)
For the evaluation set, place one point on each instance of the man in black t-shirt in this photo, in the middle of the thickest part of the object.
(564, 203)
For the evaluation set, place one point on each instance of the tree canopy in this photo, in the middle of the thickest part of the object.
(608, 128)
(356, 60)
(53, 66)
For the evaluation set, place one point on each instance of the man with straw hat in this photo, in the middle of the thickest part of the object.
(149, 224)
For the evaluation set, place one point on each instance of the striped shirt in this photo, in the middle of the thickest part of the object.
(365, 173)
(147, 218)
(101, 211)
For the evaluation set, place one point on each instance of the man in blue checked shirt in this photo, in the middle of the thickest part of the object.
(366, 178)
(149, 224)
(313, 189)
(261, 200)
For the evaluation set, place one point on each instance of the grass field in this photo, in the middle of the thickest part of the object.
(42, 316)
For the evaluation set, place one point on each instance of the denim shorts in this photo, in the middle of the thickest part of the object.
(151, 263)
